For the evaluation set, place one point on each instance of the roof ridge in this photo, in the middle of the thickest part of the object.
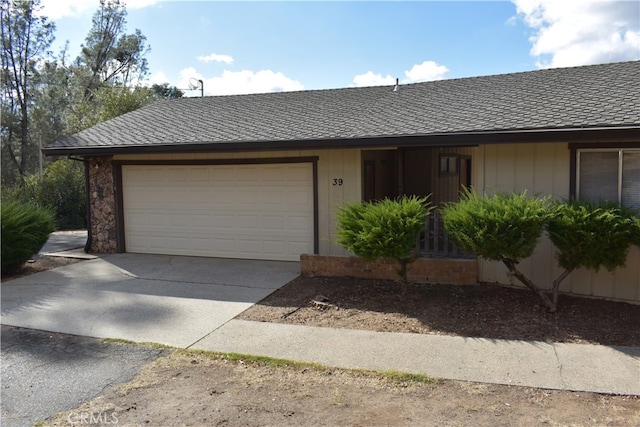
(406, 84)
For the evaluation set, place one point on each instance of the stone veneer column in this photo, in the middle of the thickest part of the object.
(102, 205)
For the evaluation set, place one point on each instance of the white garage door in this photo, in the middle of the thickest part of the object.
(230, 211)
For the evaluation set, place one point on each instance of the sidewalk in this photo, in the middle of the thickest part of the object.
(574, 367)
(68, 244)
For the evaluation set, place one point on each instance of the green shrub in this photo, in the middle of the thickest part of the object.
(591, 236)
(385, 229)
(497, 227)
(25, 228)
(502, 227)
(61, 188)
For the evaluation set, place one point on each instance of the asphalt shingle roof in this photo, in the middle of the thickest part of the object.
(606, 95)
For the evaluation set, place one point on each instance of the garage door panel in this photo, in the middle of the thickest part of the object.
(250, 248)
(148, 220)
(299, 222)
(236, 211)
(296, 247)
(223, 196)
(270, 196)
(150, 244)
(177, 176)
(295, 196)
(199, 196)
(274, 222)
(200, 220)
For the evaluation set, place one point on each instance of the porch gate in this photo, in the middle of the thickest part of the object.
(434, 242)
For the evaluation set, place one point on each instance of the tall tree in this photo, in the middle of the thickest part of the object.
(110, 56)
(25, 38)
(110, 60)
(52, 100)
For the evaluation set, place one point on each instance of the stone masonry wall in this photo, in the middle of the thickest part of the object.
(102, 205)
(423, 270)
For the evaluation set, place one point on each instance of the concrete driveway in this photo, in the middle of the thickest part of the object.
(146, 298)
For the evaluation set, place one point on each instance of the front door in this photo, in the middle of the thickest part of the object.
(465, 172)
(380, 175)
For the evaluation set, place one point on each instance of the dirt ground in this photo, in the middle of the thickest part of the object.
(487, 311)
(40, 263)
(207, 390)
(201, 389)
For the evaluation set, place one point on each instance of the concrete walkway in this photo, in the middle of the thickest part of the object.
(69, 244)
(576, 367)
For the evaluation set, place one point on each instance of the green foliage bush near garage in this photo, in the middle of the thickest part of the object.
(61, 189)
(25, 228)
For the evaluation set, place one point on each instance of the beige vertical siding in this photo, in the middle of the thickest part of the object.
(336, 164)
(543, 169)
(332, 164)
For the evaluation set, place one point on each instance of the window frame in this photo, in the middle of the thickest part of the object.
(576, 167)
(451, 159)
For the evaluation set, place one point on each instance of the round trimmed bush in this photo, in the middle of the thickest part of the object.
(384, 229)
(592, 236)
(499, 227)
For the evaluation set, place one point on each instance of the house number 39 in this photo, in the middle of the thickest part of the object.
(337, 182)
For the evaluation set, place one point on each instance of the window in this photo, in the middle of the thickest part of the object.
(448, 164)
(609, 175)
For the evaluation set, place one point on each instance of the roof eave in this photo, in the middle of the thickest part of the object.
(591, 134)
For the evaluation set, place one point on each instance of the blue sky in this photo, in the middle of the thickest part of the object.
(248, 47)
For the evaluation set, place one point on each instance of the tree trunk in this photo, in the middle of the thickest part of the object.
(24, 132)
(511, 265)
(556, 284)
(402, 272)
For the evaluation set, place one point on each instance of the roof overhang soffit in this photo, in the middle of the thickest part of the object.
(627, 134)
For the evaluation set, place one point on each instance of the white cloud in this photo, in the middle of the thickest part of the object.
(159, 77)
(427, 71)
(238, 82)
(371, 79)
(56, 9)
(214, 57)
(572, 32)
